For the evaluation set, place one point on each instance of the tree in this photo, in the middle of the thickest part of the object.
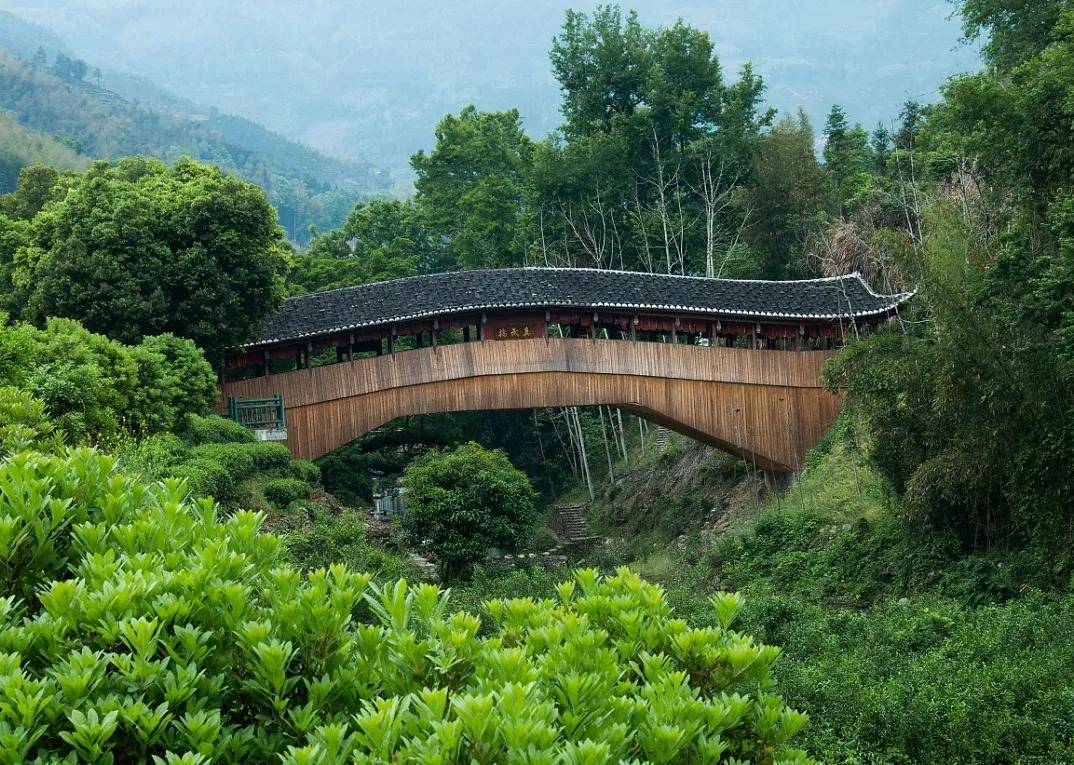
(40, 57)
(653, 149)
(137, 248)
(94, 388)
(603, 66)
(848, 160)
(470, 187)
(38, 185)
(463, 501)
(379, 240)
(787, 197)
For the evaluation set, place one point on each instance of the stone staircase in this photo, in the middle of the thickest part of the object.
(569, 524)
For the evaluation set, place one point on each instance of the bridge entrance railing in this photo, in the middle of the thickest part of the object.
(258, 414)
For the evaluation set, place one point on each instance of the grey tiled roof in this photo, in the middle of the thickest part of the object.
(423, 297)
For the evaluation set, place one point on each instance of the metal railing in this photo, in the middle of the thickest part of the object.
(257, 413)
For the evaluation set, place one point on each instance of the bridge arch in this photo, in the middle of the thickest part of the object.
(717, 376)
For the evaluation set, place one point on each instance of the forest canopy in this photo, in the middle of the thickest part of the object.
(137, 248)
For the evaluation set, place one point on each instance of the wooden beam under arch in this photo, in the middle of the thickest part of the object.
(766, 406)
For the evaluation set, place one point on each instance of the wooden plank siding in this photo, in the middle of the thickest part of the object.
(766, 406)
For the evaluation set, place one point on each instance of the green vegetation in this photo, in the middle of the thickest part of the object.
(308, 188)
(20, 147)
(216, 650)
(93, 388)
(463, 501)
(917, 573)
(342, 538)
(379, 240)
(140, 248)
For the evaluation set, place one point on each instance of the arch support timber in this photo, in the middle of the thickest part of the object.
(765, 406)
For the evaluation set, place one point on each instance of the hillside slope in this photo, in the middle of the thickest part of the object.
(308, 188)
(20, 147)
(374, 77)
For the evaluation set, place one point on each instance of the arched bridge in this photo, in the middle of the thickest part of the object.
(736, 364)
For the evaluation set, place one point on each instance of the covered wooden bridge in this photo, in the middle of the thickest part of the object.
(733, 363)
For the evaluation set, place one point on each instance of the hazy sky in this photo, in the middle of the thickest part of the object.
(371, 78)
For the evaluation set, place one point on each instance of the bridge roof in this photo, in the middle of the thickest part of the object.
(423, 297)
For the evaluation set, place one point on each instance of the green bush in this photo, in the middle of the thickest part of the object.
(543, 538)
(462, 501)
(96, 388)
(24, 424)
(143, 628)
(270, 457)
(150, 458)
(281, 492)
(928, 682)
(303, 470)
(341, 539)
(206, 478)
(213, 429)
(236, 459)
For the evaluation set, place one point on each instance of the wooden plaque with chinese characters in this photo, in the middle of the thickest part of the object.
(515, 328)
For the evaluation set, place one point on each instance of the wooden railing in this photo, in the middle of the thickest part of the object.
(767, 405)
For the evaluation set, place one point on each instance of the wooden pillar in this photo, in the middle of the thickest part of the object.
(634, 329)
(593, 327)
(798, 337)
(753, 337)
(675, 331)
(350, 347)
(268, 369)
(391, 341)
(432, 333)
(309, 354)
(481, 327)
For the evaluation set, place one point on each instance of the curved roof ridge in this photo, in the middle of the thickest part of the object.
(507, 269)
(417, 298)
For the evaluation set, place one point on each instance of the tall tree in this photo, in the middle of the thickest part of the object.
(663, 140)
(471, 186)
(139, 248)
(787, 197)
(848, 160)
(603, 66)
(382, 239)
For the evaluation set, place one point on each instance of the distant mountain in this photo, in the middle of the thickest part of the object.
(23, 38)
(20, 147)
(308, 187)
(371, 78)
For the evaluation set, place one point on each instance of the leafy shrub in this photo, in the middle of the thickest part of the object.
(543, 538)
(342, 539)
(236, 459)
(463, 501)
(270, 457)
(206, 478)
(95, 388)
(152, 457)
(281, 492)
(23, 421)
(140, 624)
(927, 682)
(213, 429)
(305, 471)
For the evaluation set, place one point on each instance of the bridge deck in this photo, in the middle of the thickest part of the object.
(766, 406)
